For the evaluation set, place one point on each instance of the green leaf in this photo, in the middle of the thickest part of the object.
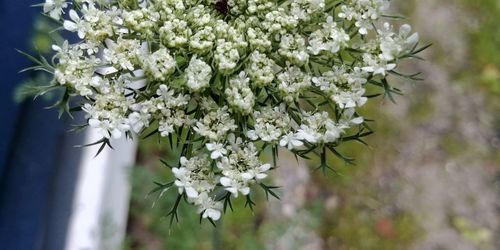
(160, 187)
(166, 163)
(249, 202)
(174, 211)
(269, 190)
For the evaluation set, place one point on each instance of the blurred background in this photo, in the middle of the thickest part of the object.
(430, 178)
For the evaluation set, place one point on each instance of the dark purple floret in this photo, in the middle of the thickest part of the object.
(222, 6)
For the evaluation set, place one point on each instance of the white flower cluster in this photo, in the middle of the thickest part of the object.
(227, 78)
(197, 180)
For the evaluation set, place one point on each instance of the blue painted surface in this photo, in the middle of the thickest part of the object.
(25, 188)
(30, 141)
(16, 21)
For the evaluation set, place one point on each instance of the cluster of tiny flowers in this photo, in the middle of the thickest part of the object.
(227, 79)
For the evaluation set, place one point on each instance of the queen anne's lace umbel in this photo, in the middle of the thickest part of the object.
(228, 78)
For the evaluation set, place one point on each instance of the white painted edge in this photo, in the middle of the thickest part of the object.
(102, 193)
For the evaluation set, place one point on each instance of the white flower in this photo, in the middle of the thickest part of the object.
(292, 82)
(349, 119)
(215, 125)
(123, 53)
(75, 25)
(183, 182)
(364, 12)
(241, 167)
(108, 129)
(293, 48)
(308, 134)
(291, 142)
(257, 173)
(54, 8)
(393, 45)
(258, 39)
(261, 69)
(198, 74)
(138, 121)
(343, 87)
(208, 207)
(319, 128)
(194, 176)
(143, 21)
(226, 55)
(239, 94)
(404, 34)
(331, 38)
(175, 33)
(377, 66)
(95, 25)
(270, 124)
(234, 186)
(160, 64)
(217, 150)
(225, 82)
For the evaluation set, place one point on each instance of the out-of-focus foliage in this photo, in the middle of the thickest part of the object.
(485, 42)
(42, 39)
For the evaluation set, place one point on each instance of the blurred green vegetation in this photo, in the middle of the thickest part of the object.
(485, 43)
(42, 38)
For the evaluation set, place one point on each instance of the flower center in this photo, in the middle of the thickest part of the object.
(222, 6)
